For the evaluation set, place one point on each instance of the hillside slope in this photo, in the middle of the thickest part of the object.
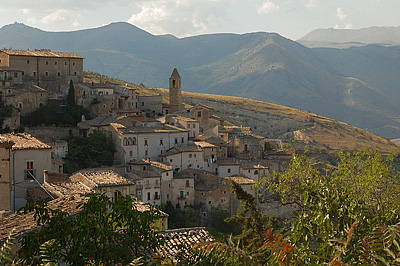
(357, 85)
(277, 121)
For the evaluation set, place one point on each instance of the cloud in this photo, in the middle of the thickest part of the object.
(26, 11)
(311, 3)
(76, 24)
(340, 14)
(267, 7)
(336, 26)
(58, 16)
(186, 17)
(348, 26)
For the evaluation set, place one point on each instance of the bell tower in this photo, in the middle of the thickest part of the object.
(175, 92)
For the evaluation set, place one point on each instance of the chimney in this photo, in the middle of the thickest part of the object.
(46, 176)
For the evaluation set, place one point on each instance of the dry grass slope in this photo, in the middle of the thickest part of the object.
(273, 121)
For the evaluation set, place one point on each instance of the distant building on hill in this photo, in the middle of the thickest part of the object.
(49, 70)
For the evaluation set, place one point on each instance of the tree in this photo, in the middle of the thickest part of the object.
(71, 94)
(102, 233)
(362, 188)
(253, 222)
(94, 151)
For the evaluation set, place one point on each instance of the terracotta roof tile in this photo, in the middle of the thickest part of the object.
(41, 53)
(24, 141)
(241, 180)
(101, 178)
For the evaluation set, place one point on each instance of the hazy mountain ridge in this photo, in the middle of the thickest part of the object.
(344, 38)
(358, 85)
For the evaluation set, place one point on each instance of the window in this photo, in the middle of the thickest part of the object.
(167, 196)
(55, 63)
(148, 195)
(146, 142)
(144, 168)
(245, 147)
(187, 183)
(199, 114)
(156, 195)
(30, 171)
(256, 172)
(194, 155)
(130, 153)
(170, 160)
(15, 75)
(73, 64)
(23, 73)
(34, 73)
(27, 62)
(142, 103)
(161, 142)
(58, 74)
(65, 63)
(190, 155)
(146, 152)
(209, 202)
(46, 73)
(183, 140)
(188, 125)
(181, 194)
(176, 140)
(187, 193)
(194, 125)
(47, 62)
(74, 73)
(229, 170)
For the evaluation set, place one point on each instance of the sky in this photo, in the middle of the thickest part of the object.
(290, 18)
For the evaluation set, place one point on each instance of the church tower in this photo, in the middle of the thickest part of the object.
(175, 92)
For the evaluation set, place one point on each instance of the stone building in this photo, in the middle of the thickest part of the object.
(209, 124)
(49, 70)
(175, 92)
(5, 174)
(184, 157)
(189, 124)
(25, 98)
(139, 142)
(249, 146)
(105, 181)
(30, 158)
(10, 76)
(151, 105)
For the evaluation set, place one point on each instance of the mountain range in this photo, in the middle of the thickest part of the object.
(359, 85)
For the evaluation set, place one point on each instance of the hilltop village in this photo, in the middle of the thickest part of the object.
(175, 152)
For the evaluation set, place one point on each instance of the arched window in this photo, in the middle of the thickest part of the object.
(125, 142)
(130, 141)
(133, 141)
(256, 172)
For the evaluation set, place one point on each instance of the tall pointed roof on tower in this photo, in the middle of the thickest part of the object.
(175, 73)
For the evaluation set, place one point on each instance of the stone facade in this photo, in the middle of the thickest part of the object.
(49, 70)
(5, 174)
(151, 105)
(175, 92)
(138, 142)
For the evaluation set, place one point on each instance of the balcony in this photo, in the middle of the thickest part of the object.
(157, 185)
(157, 197)
(139, 186)
(181, 197)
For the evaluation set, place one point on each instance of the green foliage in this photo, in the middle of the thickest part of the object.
(362, 188)
(71, 94)
(55, 114)
(90, 237)
(180, 218)
(5, 111)
(217, 223)
(6, 256)
(253, 222)
(93, 151)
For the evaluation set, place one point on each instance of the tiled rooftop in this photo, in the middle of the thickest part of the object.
(162, 128)
(41, 53)
(62, 189)
(182, 237)
(24, 141)
(204, 144)
(252, 166)
(181, 148)
(186, 119)
(102, 178)
(25, 222)
(241, 180)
